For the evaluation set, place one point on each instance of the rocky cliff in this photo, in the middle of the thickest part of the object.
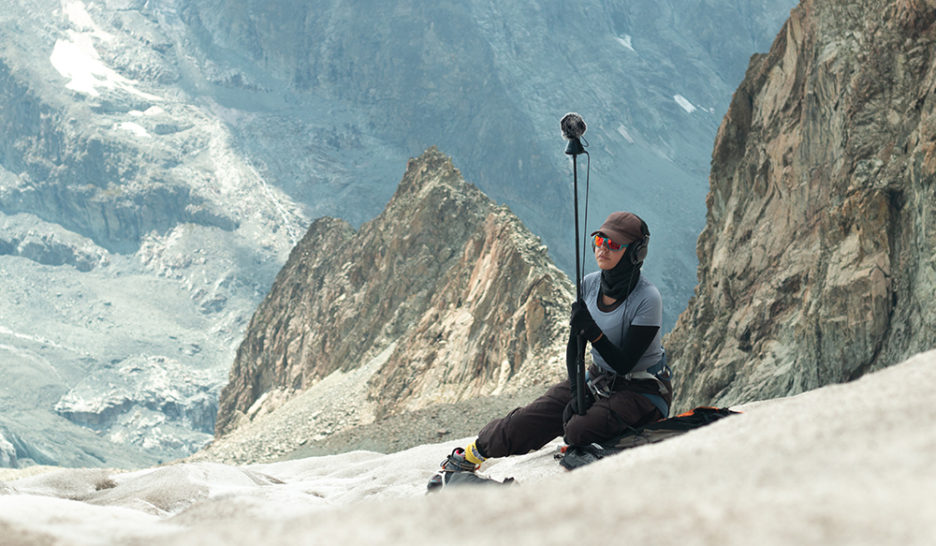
(817, 261)
(445, 295)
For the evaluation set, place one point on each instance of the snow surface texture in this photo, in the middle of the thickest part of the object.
(845, 464)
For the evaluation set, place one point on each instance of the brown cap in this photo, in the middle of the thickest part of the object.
(621, 227)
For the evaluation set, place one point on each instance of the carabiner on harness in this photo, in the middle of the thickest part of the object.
(600, 384)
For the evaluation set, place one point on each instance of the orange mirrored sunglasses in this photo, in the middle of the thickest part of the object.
(601, 240)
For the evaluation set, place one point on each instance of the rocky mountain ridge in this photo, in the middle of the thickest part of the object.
(817, 261)
(444, 295)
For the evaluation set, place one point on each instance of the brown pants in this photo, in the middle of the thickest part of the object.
(533, 426)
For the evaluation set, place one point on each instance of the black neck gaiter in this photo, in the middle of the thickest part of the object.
(618, 282)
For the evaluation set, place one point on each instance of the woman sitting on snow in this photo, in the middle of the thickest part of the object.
(620, 314)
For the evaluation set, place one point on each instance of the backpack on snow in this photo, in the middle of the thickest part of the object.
(572, 457)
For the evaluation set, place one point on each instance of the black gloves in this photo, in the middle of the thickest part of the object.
(583, 323)
(571, 408)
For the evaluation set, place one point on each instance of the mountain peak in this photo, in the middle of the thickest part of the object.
(443, 296)
(430, 169)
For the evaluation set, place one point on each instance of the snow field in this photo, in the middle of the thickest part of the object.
(845, 464)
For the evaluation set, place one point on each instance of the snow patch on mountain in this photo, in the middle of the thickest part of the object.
(135, 128)
(684, 103)
(77, 60)
(78, 16)
(625, 133)
(626, 41)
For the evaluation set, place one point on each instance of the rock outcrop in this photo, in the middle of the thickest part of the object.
(7, 453)
(817, 261)
(149, 401)
(462, 296)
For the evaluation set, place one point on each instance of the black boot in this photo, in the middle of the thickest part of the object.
(456, 470)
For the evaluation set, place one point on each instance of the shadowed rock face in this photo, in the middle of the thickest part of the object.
(467, 294)
(817, 261)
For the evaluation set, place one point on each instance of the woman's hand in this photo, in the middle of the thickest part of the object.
(583, 323)
(572, 409)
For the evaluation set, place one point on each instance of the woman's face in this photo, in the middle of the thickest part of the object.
(606, 257)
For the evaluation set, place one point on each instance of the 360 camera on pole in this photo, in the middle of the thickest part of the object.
(573, 127)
